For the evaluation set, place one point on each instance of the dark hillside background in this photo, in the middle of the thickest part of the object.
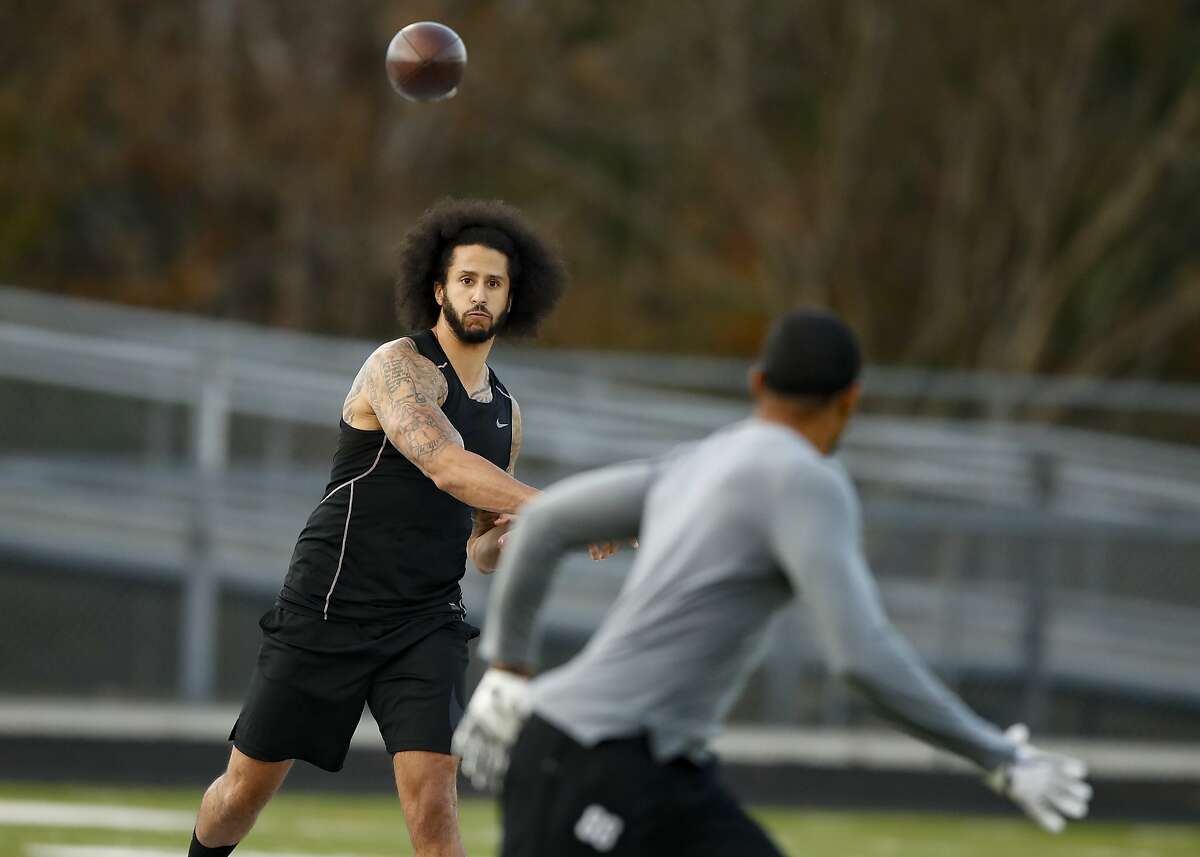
(1010, 185)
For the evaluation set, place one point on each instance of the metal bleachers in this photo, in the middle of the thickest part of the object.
(968, 520)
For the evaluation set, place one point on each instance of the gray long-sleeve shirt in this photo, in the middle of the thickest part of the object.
(731, 528)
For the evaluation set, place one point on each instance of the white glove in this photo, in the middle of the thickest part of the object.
(488, 730)
(1046, 786)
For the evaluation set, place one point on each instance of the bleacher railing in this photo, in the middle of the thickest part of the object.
(1002, 546)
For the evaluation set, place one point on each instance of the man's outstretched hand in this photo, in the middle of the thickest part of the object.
(1050, 788)
(489, 727)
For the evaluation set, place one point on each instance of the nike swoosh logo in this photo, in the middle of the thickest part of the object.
(443, 365)
(500, 424)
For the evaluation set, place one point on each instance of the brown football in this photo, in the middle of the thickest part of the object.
(425, 61)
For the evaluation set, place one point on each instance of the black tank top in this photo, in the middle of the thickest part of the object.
(385, 543)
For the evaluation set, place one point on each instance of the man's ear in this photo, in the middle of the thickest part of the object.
(756, 381)
(439, 293)
(849, 400)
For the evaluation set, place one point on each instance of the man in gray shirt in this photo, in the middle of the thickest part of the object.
(613, 758)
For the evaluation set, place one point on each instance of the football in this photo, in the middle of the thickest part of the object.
(425, 61)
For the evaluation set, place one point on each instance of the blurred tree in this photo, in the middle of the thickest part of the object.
(1009, 185)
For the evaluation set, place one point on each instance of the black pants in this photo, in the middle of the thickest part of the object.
(562, 799)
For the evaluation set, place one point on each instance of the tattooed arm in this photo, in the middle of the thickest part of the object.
(484, 545)
(404, 392)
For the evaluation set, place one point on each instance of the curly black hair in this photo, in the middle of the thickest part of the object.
(537, 274)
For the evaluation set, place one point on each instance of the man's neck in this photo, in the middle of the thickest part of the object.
(816, 431)
(469, 360)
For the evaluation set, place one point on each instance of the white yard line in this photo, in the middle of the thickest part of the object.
(24, 813)
(39, 849)
(30, 813)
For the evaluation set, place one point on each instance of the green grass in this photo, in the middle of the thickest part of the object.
(346, 825)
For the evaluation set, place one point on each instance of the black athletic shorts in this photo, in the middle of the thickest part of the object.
(562, 799)
(314, 675)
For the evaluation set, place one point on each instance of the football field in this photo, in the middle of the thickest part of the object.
(86, 821)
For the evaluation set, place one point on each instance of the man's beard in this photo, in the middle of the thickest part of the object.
(476, 335)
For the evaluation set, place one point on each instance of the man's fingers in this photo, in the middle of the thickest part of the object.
(499, 764)
(471, 771)
(505, 519)
(1018, 733)
(466, 755)
(480, 780)
(1071, 788)
(1052, 822)
(1070, 798)
(1046, 817)
(470, 753)
(1069, 806)
(1071, 767)
(494, 763)
(477, 772)
(604, 550)
(460, 742)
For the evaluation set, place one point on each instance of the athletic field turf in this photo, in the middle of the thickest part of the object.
(57, 821)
